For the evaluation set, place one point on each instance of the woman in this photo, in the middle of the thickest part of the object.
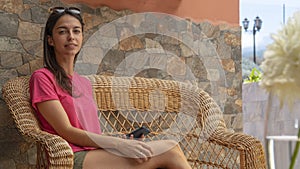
(54, 101)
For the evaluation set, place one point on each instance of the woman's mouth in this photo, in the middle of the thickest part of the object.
(71, 46)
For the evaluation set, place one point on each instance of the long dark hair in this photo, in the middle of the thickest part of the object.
(50, 61)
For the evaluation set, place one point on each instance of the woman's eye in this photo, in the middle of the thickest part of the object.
(77, 31)
(62, 32)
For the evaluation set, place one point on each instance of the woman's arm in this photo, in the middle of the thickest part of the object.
(56, 116)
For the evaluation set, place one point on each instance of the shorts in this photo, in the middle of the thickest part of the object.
(78, 159)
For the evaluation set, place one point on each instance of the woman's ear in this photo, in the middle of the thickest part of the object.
(50, 40)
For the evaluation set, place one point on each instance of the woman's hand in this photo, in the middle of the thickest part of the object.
(132, 137)
(135, 149)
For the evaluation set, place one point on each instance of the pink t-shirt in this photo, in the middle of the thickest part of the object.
(81, 108)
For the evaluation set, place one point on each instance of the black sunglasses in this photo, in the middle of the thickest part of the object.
(72, 10)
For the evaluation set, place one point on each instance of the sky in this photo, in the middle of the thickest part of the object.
(273, 13)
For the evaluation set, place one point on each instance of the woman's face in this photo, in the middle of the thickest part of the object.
(66, 37)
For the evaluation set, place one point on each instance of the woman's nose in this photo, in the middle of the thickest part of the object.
(71, 36)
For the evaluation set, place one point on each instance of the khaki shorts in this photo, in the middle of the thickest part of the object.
(78, 159)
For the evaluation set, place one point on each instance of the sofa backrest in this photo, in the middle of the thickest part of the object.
(170, 109)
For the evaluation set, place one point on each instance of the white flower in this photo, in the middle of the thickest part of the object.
(281, 65)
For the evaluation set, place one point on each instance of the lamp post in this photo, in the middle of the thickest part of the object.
(256, 27)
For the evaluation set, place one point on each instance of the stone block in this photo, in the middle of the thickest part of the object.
(91, 20)
(158, 61)
(186, 51)
(225, 51)
(176, 67)
(199, 70)
(9, 134)
(24, 70)
(113, 61)
(170, 40)
(91, 55)
(5, 75)
(172, 49)
(33, 48)
(39, 15)
(130, 44)
(109, 14)
(10, 44)
(36, 64)
(232, 39)
(9, 150)
(10, 59)
(29, 31)
(28, 57)
(209, 29)
(228, 65)
(8, 25)
(213, 74)
(5, 117)
(25, 15)
(153, 46)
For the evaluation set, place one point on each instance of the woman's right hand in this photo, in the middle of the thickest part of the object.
(135, 149)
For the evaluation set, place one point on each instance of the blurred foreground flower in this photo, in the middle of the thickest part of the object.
(281, 67)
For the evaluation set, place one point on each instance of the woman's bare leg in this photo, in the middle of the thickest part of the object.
(167, 154)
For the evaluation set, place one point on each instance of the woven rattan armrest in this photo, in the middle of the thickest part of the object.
(52, 150)
(250, 149)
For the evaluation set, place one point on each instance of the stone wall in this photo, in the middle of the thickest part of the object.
(121, 43)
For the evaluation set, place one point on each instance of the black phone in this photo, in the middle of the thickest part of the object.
(137, 133)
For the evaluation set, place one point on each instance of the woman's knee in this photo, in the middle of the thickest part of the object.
(175, 158)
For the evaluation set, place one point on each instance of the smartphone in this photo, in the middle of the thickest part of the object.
(137, 133)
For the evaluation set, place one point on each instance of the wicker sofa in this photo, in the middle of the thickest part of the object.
(171, 110)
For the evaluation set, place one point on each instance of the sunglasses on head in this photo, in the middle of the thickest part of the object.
(72, 10)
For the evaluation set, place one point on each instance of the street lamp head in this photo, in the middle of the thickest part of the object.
(256, 27)
(246, 24)
(257, 23)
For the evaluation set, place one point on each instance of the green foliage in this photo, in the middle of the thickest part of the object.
(254, 76)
